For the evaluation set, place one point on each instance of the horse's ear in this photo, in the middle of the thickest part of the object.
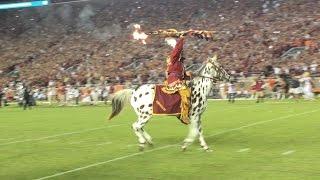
(213, 59)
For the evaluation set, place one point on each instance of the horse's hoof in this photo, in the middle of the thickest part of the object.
(184, 148)
(141, 147)
(208, 150)
(150, 144)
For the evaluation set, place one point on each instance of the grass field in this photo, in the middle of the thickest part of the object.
(273, 140)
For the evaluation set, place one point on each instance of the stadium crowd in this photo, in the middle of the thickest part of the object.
(89, 43)
(257, 87)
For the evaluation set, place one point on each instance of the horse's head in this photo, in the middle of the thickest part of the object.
(215, 70)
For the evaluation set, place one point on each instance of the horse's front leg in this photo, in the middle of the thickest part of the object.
(203, 143)
(193, 132)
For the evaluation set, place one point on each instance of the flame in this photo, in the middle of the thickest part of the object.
(138, 34)
(137, 26)
(171, 42)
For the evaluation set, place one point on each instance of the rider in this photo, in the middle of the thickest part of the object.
(176, 75)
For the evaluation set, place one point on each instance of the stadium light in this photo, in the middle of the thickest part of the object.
(24, 4)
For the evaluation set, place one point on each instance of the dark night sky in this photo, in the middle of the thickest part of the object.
(16, 1)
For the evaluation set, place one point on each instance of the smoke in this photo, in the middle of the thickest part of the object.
(62, 19)
(107, 32)
(85, 21)
(65, 13)
(32, 22)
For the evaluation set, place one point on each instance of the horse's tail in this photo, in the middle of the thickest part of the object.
(119, 100)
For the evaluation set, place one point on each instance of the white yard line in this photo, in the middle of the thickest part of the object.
(167, 146)
(105, 162)
(8, 139)
(76, 142)
(105, 143)
(235, 99)
(243, 150)
(51, 141)
(271, 102)
(263, 122)
(130, 145)
(288, 152)
(59, 135)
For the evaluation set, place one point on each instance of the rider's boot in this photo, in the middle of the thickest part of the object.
(185, 104)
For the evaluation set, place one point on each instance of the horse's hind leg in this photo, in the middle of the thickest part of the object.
(137, 130)
(143, 136)
(147, 137)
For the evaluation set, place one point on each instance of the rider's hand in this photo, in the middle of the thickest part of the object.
(188, 33)
(188, 73)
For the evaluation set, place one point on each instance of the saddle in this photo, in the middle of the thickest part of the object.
(172, 102)
(165, 103)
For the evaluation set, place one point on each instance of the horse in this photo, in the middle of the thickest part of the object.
(141, 100)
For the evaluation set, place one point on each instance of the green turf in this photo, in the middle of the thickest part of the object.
(45, 141)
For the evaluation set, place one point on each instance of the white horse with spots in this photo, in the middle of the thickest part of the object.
(141, 100)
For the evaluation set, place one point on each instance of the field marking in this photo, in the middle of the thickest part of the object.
(8, 139)
(271, 102)
(288, 152)
(171, 145)
(243, 150)
(104, 162)
(263, 122)
(51, 141)
(130, 145)
(230, 109)
(59, 135)
(76, 142)
(242, 107)
(105, 143)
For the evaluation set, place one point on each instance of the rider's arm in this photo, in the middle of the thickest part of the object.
(175, 55)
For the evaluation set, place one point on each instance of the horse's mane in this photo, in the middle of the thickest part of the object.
(196, 68)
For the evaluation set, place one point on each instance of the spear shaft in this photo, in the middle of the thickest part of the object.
(201, 34)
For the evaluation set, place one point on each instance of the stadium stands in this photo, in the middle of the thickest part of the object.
(89, 42)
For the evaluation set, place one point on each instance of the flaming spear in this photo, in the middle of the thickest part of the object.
(169, 34)
(138, 34)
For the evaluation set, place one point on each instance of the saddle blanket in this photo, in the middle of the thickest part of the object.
(166, 104)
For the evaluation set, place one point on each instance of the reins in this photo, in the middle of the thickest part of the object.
(213, 79)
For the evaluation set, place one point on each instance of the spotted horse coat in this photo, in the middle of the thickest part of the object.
(141, 100)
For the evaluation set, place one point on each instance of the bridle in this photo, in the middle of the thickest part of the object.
(213, 79)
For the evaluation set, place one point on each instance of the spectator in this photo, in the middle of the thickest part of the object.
(313, 67)
(27, 98)
(307, 86)
(231, 91)
(76, 94)
(1, 95)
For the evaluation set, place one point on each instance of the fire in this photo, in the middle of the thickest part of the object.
(138, 34)
(137, 26)
(171, 42)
